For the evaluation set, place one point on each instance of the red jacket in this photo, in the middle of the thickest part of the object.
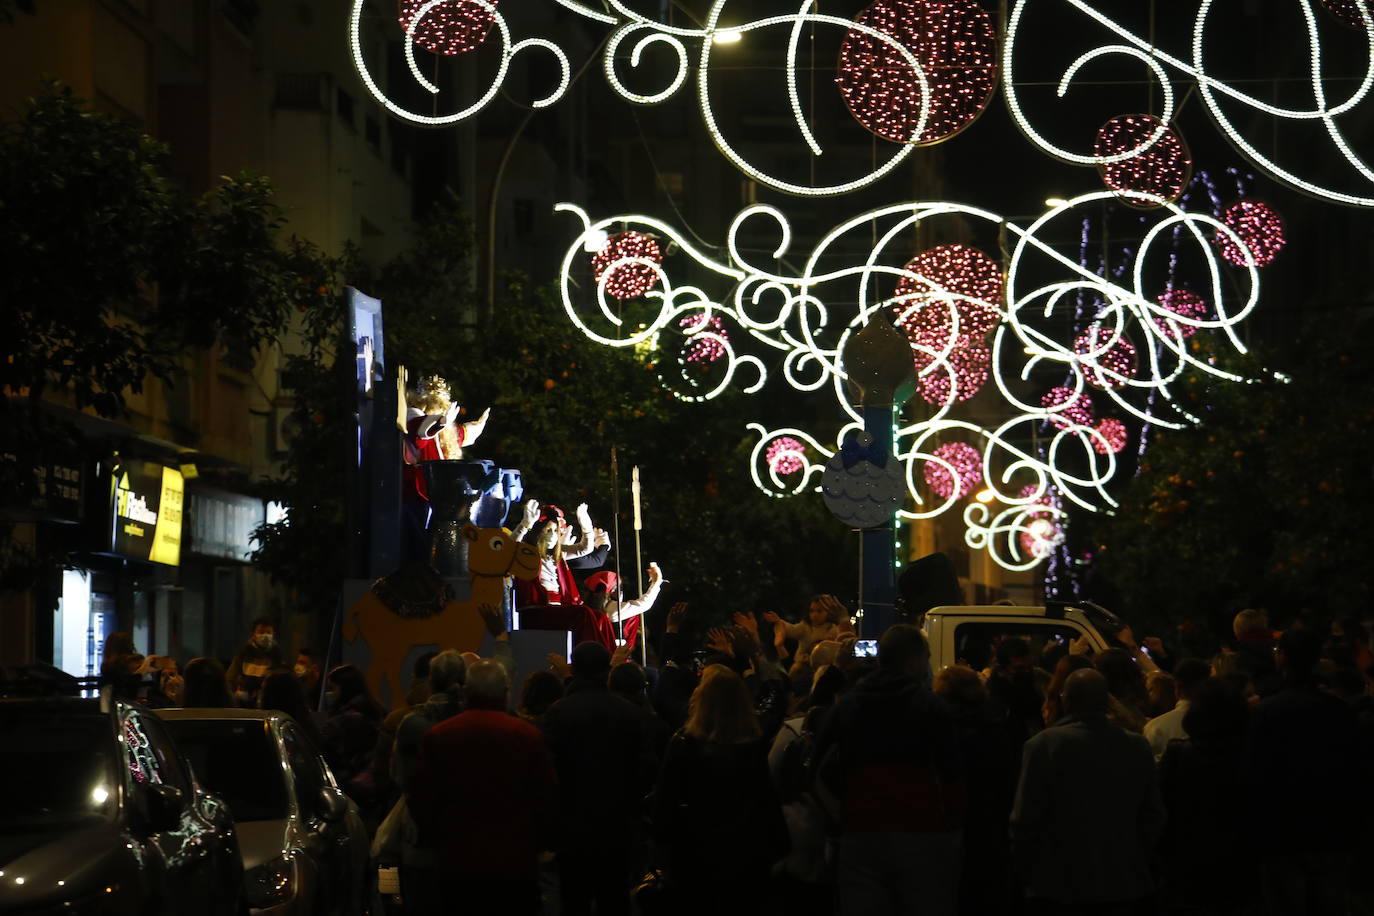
(529, 592)
(485, 794)
(587, 624)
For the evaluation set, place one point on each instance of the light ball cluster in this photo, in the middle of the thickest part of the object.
(1259, 226)
(1114, 432)
(1040, 538)
(1067, 408)
(1043, 532)
(1109, 360)
(627, 280)
(785, 455)
(967, 462)
(1181, 302)
(707, 341)
(451, 28)
(958, 377)
(1162, 169)
(956, 45)
(950, 281)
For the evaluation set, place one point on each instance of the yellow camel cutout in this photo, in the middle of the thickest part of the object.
(493, 554)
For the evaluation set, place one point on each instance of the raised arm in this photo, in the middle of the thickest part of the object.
(645, 601)
(527, 520)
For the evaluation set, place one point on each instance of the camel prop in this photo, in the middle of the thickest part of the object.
(493, 554)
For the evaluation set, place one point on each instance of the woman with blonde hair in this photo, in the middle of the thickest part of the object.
(716, 813)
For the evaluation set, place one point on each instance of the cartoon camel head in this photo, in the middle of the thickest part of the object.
(495, 552)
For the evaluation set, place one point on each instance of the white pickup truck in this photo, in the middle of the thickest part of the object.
(968, 634)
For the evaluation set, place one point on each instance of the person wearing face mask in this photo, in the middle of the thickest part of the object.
(307, 671)
(254, 661)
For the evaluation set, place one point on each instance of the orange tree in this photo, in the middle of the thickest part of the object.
(1264, 504)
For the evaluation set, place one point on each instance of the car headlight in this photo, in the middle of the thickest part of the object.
(271, 882)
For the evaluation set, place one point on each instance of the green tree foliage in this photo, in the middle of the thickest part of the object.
(308, 551)
(1263, 504)
(108, 273)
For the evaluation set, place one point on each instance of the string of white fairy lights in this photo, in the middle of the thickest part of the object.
(643, 32)
(1212, 91)
(801, 320)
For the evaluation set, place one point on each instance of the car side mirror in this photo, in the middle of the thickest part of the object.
(165, 804)
(333, 804)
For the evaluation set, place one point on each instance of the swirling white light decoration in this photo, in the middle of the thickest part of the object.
(643, 32)
(1214, 92)
(508, 51)
(638, 33)
(793, 323)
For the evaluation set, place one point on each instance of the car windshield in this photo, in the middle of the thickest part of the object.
(56, 768)
(238, 761)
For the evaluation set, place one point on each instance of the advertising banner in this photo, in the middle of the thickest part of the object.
(147, 512)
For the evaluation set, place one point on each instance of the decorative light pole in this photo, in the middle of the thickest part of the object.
(863, 484)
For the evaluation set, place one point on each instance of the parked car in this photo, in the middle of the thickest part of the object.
(305, 849)
(99, 813)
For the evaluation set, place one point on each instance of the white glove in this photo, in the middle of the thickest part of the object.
(584, 518)
(531, 512)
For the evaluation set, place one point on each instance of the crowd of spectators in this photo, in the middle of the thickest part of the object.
(795, 775)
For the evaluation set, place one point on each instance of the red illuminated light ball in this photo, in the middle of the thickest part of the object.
(1181, 302)
(1114, 432)
(970, 364)
(707, 343)
(1162, 169)
(956, 45)
(453, 27)
(627, 280)
(1348, 11)
(967, 462)
(1068, 407)
(1108, 360)
(786, 455)
(970, 283)
(965, 272)
(1259, 226)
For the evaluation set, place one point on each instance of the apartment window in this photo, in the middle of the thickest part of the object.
(301, 92)
(373, 132)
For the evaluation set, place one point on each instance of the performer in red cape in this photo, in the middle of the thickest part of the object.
(604, 594)
(552, 601)
(555, 584)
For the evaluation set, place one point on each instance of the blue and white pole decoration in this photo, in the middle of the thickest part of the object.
(863, 484)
